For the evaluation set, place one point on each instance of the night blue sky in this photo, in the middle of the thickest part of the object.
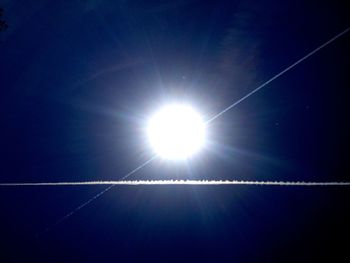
(78, 80)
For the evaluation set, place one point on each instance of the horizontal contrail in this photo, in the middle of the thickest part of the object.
(183, 182)
(194, 182)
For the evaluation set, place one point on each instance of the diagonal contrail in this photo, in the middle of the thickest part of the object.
(73, 211)
(113, 183)
(173, 182)
(278, 75)
(88, 201)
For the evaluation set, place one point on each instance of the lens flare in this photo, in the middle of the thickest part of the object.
(176, 132)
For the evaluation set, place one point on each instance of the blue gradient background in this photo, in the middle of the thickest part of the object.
(78, 80)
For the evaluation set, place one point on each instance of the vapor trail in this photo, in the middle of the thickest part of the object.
(73, 211)
(192, 182)
(173, 182)
(278, 75)
(81, 183)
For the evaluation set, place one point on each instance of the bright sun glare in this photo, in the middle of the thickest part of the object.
(176, 132)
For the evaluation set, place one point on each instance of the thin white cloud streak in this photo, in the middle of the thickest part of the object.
(73, 211)
(218, 115)
(139, 167)
(80, 183)
(278, 75)
(175, 182)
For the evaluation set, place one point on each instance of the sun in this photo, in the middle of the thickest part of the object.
(176, 132)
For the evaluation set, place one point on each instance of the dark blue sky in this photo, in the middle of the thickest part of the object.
(78, 80)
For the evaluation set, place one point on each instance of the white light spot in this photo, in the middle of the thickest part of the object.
(176, 132)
